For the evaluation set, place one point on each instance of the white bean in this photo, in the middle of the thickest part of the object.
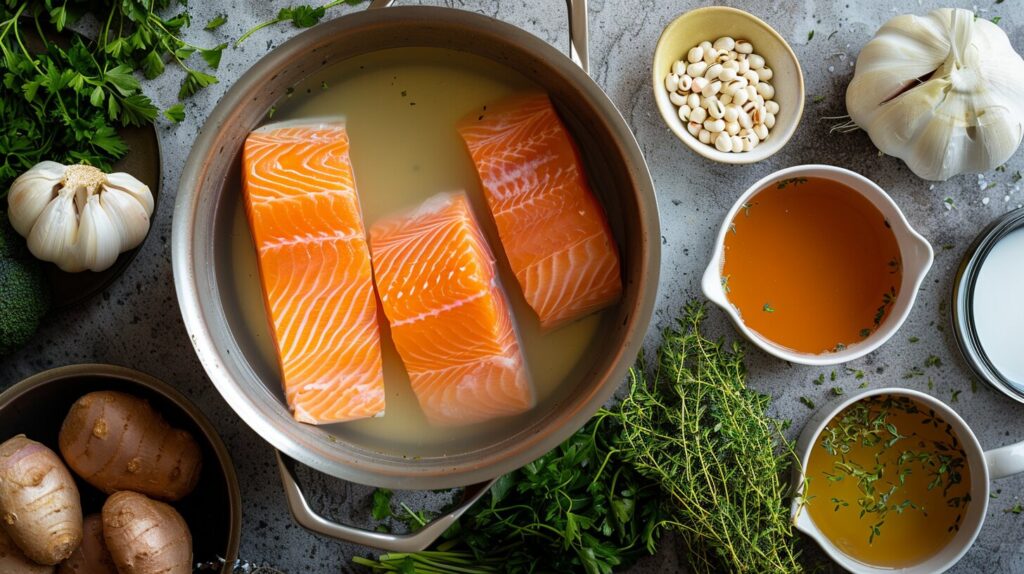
(752, 92)
(676, 99)
(744, 47)
(737, 144)
(740, 83)
(684, 112)
(724, 43)
(766, 74)
(727, 74)
(732, 128)
(679, 68)
(693, 128)
(756, 61)
(732, 111)
(715, 109)
(704, 136)
(748, 142)
(726, 99)
(744, 67)
(753, 139)
(713, 72)
(766, 90)
(757, 116)
(699, 84)
(711, 89)
(731, 65)
(671, 82)
(740, 97)
(698, 115)
(723, 142)
(696, 70)
(772, 107)
(744, 119)
(714, 125)
(705, 45)
(761, 131)
(693, 100)
(695, 55)
(769, 121)
(745, 131)
(685, 82)
(751, 77)
(710, 55)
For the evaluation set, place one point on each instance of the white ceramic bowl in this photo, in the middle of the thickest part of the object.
(915, 251)
(711, 23)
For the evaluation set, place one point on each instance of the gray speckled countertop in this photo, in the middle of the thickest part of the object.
(136, 322)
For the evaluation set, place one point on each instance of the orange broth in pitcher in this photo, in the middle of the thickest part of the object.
(811, 265)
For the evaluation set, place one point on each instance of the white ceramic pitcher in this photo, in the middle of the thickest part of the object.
(984, 466)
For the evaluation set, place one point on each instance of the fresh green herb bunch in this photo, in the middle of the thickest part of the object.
(64, 101)
(693, 426)
(578, 508)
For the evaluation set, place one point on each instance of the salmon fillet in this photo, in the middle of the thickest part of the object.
(551, 226)
(449, 317)
(315, 269)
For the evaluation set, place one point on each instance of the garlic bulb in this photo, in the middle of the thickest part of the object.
(77, 216)
(941, 92)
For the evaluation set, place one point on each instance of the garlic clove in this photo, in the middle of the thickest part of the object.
(54, 233)
(25, 202)
(132, 186)
(127, 215)
(99, 239)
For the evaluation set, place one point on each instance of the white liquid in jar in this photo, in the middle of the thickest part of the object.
(999, 307)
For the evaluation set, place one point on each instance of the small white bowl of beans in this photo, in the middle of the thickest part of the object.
(727, 84)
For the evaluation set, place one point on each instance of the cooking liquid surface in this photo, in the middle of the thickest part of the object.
(908, 537)
(401, 107)
(811, 265)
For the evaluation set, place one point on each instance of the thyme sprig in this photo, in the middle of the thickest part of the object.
(694, 426)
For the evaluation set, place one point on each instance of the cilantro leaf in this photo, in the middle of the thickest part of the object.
(175, 113)
(216, 22)
(212, 55)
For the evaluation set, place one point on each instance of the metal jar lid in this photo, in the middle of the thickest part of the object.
(964, 285)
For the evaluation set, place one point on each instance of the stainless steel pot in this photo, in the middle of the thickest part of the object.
(209, 193)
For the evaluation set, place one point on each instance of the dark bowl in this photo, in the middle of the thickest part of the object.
(36, 407)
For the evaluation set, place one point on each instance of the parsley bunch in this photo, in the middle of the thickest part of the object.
(578, 508)
(64, 102)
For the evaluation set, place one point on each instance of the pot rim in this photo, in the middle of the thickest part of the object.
(159, 387)
(308, 446)
(916, 268)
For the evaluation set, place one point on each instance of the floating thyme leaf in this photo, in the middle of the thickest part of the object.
(864, 333)
(791, 181)
(839, 347)
(767, 308)
(725, 283)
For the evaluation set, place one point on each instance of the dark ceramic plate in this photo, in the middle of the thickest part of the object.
(142, 161)
(36, 407)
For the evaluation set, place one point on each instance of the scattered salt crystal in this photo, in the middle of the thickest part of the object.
(984, 201)
(831, 68)
(1006, 198)
(931, 187)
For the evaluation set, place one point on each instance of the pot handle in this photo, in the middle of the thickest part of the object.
(578, 35)
(1005, 461)
(412, 542)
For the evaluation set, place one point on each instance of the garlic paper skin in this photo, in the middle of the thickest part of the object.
(942, 92)
(77, 216)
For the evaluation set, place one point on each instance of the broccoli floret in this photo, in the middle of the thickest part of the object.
(24, 293)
